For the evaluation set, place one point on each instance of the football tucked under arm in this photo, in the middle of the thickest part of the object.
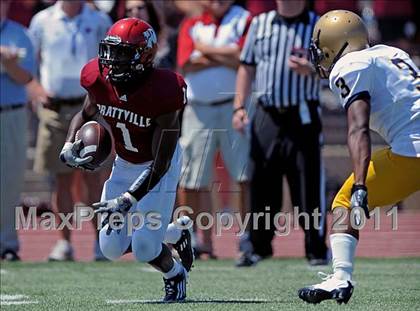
(88, 143)
(95, 141)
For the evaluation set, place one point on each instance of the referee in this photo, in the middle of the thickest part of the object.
(286, 128)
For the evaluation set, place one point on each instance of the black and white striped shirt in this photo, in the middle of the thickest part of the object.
(269, 43)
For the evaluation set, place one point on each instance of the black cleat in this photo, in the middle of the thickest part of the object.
(248, 260)
(185, 250)
(10, 255)
(176, 288)
(200, 253)
(315, 295)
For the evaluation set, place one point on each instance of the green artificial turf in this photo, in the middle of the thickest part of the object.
(382, 284)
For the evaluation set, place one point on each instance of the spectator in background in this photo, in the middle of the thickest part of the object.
(146, 11)
(17, 66)
(66, 36)
(256, 7)
(286, 128)
(323, 6)
(115, 9)
(395, 21)
(23, 10)
(189, 8)
(208, 55)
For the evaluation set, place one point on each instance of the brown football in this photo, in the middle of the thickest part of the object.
(96, 142)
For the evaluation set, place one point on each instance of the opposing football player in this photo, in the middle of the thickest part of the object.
(140, 105)
(379, 87)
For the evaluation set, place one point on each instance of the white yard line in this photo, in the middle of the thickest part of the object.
(13, 297)
(25, 302)
(18, 299)
(2, 271)
(152, 301)
(148, 269)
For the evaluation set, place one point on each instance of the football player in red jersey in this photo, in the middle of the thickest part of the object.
(141, 106)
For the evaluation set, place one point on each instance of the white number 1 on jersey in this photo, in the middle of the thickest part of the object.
(126, 136)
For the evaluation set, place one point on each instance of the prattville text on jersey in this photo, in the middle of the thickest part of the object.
(124, 115)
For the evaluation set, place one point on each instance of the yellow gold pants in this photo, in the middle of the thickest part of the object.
(390, 179)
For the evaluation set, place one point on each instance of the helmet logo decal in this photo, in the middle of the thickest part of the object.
(113, 39)
(150, 37)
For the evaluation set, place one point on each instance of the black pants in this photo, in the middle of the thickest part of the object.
(282, 145)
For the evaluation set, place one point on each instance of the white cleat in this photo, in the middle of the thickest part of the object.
(62, 251)
(330, 288)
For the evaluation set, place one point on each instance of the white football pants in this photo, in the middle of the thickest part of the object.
(146, 240)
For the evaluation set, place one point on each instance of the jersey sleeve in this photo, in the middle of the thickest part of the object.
(173, 96)
(248, 51)
(180, 98)
(89, 75)
(351, 80)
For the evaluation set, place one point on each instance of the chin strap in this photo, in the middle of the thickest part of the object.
(338, 56)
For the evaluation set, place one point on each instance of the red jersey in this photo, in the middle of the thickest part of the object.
(132, 116)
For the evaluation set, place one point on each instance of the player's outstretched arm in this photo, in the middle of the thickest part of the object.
(358, 140)
(165, 139)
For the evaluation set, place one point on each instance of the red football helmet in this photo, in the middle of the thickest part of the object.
(128, 49)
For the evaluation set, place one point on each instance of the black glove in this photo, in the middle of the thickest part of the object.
(359, 199)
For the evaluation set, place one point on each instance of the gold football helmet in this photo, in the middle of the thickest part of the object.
(336, 33)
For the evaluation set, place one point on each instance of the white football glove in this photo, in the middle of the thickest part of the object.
(70, 155)
(121, 204)
(359, 200)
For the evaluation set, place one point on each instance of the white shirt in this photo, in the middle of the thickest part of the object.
(65, 45)
(392, 81)
(216, 83)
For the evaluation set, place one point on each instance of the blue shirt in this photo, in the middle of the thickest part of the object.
(15, 36)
